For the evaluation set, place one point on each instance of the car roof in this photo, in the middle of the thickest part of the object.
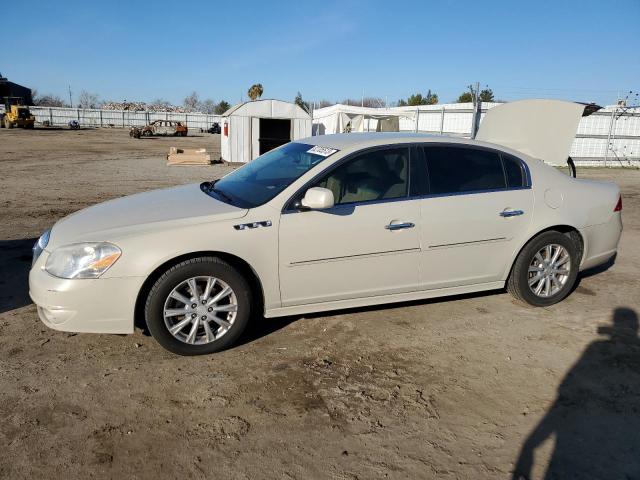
(343, 141)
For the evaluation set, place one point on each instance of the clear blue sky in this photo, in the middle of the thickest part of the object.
(580, 50)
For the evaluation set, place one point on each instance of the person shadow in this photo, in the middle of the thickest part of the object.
(596, 417)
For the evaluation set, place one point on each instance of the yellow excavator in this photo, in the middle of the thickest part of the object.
(16, 114)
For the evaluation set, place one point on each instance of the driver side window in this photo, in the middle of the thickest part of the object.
(375, 175)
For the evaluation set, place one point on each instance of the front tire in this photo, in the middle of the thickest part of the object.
(198, 306)
(546, 270)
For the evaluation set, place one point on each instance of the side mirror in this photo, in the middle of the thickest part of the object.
(318, 198)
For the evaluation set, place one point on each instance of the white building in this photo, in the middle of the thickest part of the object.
(347, 118)
(252, 128)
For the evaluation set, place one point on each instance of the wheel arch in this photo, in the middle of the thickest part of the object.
(242, 265)
(568, 230)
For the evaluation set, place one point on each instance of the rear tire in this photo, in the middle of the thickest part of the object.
(225, 318)
(546, 270)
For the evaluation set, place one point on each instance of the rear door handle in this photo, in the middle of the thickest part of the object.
(399, 226)
(511, 213)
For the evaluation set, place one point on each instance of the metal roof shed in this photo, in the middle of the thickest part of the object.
(250, 129)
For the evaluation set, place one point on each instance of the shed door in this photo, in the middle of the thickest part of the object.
(255, 137)
(273, 133)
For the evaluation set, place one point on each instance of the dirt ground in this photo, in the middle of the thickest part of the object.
(462, 387)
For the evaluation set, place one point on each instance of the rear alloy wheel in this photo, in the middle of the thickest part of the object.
(546, 270)
(199, 306)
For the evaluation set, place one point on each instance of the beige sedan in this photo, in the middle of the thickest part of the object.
(333, 222)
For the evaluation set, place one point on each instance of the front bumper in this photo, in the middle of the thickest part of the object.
(101, 305)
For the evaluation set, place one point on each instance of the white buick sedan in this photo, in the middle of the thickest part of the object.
(333, 222)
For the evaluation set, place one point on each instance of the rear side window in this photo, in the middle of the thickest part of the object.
(514, 172)
(454, 169)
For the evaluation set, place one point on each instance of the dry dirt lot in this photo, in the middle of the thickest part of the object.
(461, 387)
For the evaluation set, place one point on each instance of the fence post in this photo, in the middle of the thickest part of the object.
(122, 118)
(50, 117)
(100, 117)
(611, 123)
(442, 121)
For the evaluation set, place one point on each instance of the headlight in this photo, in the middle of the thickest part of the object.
(82, 260)
(40, 245)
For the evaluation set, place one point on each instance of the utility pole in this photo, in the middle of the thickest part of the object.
(70, 100)
(475, 121)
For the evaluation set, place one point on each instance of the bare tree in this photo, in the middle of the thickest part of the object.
(207, 106)
(88, 100)
(374, 102)
(325, 103)
(47, 100)
(160, 104)
(191, 101)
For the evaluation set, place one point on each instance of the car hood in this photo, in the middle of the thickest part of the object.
(156, 209)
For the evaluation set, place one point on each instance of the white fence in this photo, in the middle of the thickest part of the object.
(118, 118)
(609, 137)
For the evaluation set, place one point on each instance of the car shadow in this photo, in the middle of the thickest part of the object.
(262, 326)
(594, 418)
(590, 272)
(15, 263)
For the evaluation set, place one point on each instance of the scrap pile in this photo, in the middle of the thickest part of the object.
(142, 106)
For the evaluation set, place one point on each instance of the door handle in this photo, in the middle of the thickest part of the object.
(511, 213)
(399, 226)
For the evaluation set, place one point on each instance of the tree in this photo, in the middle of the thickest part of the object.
(47, 100)
(255, 91)
(191, 101)
(486, 95)
(325, 103)
(431, 98)
(466, 97)
(417, 99)
(373, 102)
(222, 107)
(160, 105)
(299, 101)
(207, 106)
(88, 100)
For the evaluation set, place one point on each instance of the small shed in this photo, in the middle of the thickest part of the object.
(250, 129)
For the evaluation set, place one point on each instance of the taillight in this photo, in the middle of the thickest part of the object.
(618, 205)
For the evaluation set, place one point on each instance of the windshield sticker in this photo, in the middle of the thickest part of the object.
(322, 151)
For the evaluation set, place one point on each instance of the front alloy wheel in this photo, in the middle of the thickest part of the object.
(200, 310)
(198, 306)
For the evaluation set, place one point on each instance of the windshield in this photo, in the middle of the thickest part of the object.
(262, 179)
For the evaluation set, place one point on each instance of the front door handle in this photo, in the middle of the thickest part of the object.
(511, 213)
(399, 226)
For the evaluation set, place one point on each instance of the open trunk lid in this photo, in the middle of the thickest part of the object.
(543, 129)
